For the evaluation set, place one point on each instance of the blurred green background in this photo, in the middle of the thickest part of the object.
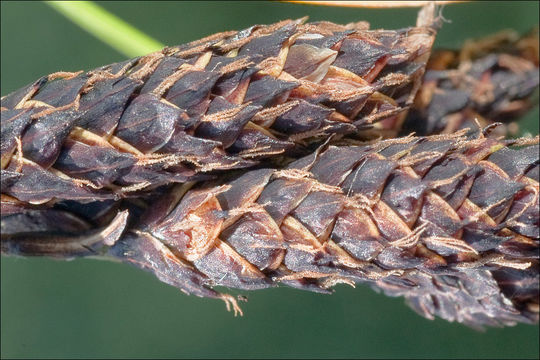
(92, 309)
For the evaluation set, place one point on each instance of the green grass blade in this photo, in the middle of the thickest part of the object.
(107, 27)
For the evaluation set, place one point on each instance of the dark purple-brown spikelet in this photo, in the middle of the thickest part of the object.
(223, 102)
(450, 222)
(489, 80)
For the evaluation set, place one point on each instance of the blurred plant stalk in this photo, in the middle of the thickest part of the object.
(107, 27)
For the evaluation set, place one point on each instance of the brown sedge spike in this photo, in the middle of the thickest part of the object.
(449, 222)
(489, 80)
(189, 112)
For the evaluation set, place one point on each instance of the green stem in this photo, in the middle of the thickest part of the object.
(107, 27)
